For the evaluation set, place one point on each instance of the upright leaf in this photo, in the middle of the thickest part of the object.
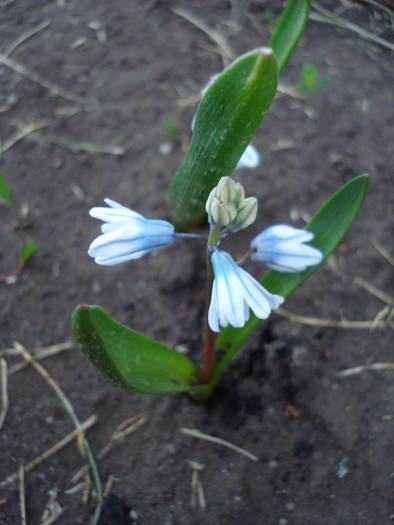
(128, 358)
(228, 116)
(329, 225)
(288, 31)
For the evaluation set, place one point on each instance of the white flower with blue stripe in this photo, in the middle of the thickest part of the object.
(126, 234)
(234, 292)
(283, 248)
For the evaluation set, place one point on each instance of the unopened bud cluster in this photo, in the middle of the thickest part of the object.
(228, 208)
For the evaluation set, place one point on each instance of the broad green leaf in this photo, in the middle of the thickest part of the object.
(288, 31)
(28, 251)
(5, 191)
(329, 225)
(128, 358)
(228, 116)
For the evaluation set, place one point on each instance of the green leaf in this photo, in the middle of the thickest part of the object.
(228, 116)
(288, 31)
(128, 358)
(28, 251)
(5, 191)
(329, 226)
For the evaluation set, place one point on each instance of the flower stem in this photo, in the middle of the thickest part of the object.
(209, 335)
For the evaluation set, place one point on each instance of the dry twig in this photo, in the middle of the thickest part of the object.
(4, 391)
(218, 441)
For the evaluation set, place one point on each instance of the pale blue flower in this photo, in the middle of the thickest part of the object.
(234, 292)
(282, 248)
(126, 234)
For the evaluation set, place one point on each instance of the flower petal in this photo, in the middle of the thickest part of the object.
(282, 248)
(126, 234)
(234, 291)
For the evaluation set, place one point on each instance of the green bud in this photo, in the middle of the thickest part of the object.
(246, 215)
(227, 207)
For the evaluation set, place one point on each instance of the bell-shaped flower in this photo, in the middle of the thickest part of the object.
(283, 248)
(126, 234)
(234, 292)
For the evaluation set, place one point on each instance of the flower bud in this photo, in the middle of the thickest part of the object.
(246, 215)
(227, 207)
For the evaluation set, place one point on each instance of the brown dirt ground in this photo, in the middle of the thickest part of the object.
(150, 61)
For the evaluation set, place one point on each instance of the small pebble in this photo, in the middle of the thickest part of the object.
(283, 521)
(290, 506)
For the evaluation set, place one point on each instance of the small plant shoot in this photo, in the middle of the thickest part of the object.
(205, 191)
(5, 192)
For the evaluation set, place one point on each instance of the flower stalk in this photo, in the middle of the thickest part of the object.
(208, 363)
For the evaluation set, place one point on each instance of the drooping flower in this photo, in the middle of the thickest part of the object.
(234, 292)
(126, 234)
(283, 248)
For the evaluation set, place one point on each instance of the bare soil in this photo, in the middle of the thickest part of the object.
(324, 444)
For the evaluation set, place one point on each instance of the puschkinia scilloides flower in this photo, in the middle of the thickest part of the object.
(126, 234)
(283, 248)
(234, 292)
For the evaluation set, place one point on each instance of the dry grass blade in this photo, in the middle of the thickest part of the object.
(22, 500)
(328, 17)
(226, 52)
(81, 147)
(359, 369)
(52, 349)
(19, 135)
(118, 435)
(108, 486)
(70, 410)
(383, 251)
(378, 5)
(194, 488)
(53, 509)
(386, 313)
(38, 79)
(329, 323)
(201, 496)
(121, 432)
(44, 353)
(51, 451)
(4, 391)
(26, 36)
(374, 290)
(218, 441)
